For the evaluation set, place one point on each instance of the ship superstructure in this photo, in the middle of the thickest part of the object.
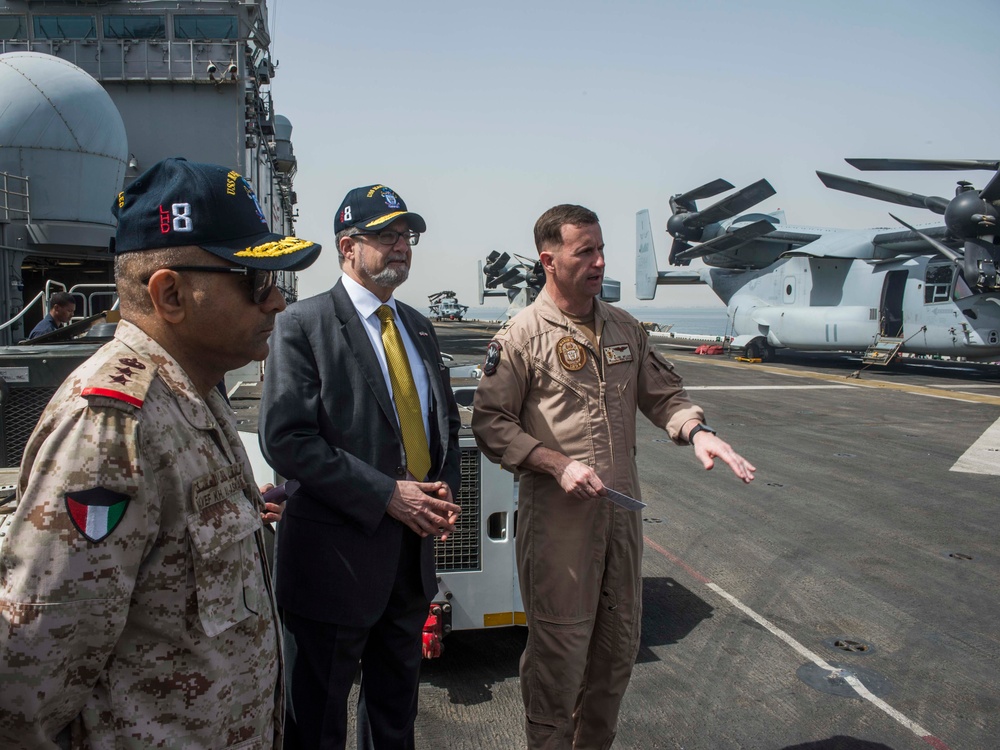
(189, 78)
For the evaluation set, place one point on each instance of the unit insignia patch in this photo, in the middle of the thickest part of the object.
(572, 356)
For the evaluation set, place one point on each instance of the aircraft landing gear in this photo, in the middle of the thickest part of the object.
(758, 348)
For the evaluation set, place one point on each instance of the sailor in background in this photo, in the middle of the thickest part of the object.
(557, 404)
(135, 604)
(62, 307)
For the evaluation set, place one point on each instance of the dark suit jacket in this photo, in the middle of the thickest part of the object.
(328, 421)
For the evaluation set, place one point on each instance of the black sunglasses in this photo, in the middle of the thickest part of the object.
(260, 287)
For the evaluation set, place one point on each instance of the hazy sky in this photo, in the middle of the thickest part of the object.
(481, 116)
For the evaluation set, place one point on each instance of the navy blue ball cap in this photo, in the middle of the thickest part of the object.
(374, 208)
(178, 202)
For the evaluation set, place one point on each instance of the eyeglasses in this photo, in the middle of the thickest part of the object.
(390, 236)
(262, 282)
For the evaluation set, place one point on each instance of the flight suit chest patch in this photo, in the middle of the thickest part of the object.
(492, 358)
(572, 356)
(615, 355)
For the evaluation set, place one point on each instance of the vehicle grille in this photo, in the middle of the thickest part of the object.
(20, 415)
(462, 549)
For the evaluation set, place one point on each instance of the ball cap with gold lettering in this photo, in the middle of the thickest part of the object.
(374, 208)
(178, 202)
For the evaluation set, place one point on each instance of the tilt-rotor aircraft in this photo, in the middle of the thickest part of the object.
(932, 290)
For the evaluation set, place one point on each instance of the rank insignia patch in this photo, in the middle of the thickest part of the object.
(571, 354)
(96, 512)
(492, 358)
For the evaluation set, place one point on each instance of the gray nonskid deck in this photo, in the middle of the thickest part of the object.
(857, 532)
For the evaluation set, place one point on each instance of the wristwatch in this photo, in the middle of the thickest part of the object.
(696, 429)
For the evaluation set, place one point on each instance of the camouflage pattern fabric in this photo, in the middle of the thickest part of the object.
(135, 610)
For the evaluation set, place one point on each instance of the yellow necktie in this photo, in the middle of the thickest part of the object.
(404, 393)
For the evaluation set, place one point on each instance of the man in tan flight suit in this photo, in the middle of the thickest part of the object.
(557, 404)
(136, 609)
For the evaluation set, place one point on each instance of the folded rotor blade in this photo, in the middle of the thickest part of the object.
(497, 263)
(991, 192)
(705, 191)
(883, 193)
(736, 203)
(677, 248)
(727, 241)
(914, 165)
(946, 251)
(513, 275)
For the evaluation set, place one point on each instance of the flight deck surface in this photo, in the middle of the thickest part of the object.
(846, 599)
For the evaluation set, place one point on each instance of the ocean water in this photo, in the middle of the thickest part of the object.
(708, 321)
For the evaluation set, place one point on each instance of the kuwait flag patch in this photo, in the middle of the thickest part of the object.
(96, 512)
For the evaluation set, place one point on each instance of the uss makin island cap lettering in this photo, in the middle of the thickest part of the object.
(177, 202)
(374, 208)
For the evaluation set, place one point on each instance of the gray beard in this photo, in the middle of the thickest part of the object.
(388, 278)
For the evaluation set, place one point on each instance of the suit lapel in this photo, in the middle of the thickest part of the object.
(353, 330)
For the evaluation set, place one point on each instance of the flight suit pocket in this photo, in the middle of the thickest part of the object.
(227, 577)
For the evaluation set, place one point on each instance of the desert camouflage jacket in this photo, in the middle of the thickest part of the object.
(135, 608)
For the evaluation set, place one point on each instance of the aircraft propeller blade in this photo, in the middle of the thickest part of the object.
(497, 263)
(919, 165)
(952, 255)
(685, 201)
(512, 276)
(991, 192)
(727, 241)
(677, 248)
(883, 193)
(728, 207)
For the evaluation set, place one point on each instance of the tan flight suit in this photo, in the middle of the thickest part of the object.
(135, 608)
(579, 560)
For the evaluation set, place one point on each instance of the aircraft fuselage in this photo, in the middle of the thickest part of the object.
(840, 304)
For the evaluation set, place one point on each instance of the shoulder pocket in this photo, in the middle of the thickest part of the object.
(226, 569)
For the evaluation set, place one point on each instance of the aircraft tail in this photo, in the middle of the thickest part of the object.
(646, 271)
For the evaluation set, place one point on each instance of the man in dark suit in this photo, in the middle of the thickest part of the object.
(357, 406)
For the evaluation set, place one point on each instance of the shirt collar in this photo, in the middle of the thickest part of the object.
(365, 302)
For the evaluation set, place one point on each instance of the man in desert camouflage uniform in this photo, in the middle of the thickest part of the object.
(135, 606)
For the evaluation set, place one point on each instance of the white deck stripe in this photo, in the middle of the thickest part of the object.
(983, 456)
(851, 680)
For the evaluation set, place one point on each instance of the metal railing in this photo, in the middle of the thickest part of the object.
(14, 204)
(139, 59)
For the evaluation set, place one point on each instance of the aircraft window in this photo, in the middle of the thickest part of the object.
(938, 287)
(135, 27)
(961, 287)
(206, 27)
(65, 27)
(13, 27)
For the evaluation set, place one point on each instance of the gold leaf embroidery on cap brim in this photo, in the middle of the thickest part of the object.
(384, 219)
(274, 249)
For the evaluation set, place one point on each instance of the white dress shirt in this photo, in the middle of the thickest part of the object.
(366, 304)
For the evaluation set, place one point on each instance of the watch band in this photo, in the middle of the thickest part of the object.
(696, 429)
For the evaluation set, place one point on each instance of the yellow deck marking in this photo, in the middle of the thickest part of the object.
(920, 390)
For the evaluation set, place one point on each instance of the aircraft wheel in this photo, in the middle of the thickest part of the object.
(757, 349)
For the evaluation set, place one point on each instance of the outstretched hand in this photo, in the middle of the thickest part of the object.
(425, 507)
(708, 447)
